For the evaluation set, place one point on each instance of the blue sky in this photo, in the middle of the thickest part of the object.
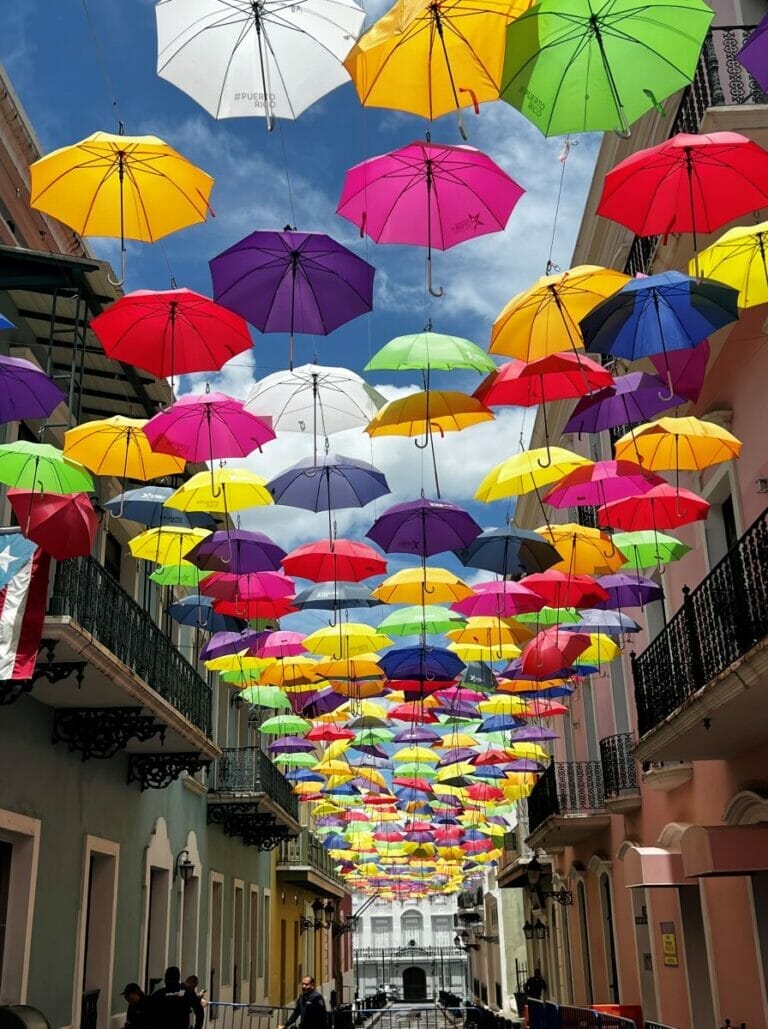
(49, 53)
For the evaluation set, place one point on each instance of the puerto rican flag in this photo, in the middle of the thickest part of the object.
(24, 570)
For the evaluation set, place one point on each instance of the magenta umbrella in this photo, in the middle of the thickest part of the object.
(208, 427)
(502, 598)
(252, 585)
(430, 195)
(601, 483)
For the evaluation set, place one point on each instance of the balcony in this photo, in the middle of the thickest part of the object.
(305, 862)
(567, 805)
(117, 681)
(701, 682)
(516, 853)
(620, 786)
(249, 798)
(719, 82)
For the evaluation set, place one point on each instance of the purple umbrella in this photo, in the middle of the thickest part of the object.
(423, 527)
(524, 765)
(291, 745)
(224, 643)
(321, 702)
(337, 482)
(453, 757)
(237, 551)
(686, 368)
(754, 54)
(629, 590)
(416, 734)
(637, 397)
(25, 390)
(293, 282)
(532, 734)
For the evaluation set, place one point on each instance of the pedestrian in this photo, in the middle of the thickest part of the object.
(137, 1015)
(535, 987)
(194, 984)
(171, 1005)
(310, 1007)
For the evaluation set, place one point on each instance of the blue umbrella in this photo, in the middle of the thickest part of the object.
(509, 551)
(335, 482)
(658, 315)
(500, 723)
(145, 505)
(333, 596)
(197, 611)
(421, 663)
(5, 323)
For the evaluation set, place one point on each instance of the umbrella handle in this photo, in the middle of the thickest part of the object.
(664, 396)
(121, 280)
(439, 292)
(548, 461)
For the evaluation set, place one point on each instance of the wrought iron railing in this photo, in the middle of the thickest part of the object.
(86, 592)
(566, 788)
(719, 622)
(618, 763)
(249, 770)
(720, 81)
(408, 953)
(307, 851)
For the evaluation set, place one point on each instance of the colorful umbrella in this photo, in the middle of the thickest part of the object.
(509, 551)
(560, 376)
(601, 483)
(432, 351)
(336, 482)
(337, 560)
(171, 332)
(147, 505)
(422, 585)
(119, 446)
(208, 427)
(166, 545)
(292, 282)
(41, 468)
(428, 194)
(646, 549)
(263, 60)
(580, 68)
(683, 444)
(636, 397)
(687, 369)
(423, 527)
(561, 590)
(528, 472)
(199, 612)
(501, 598)
(740, 260)
(236, 550)
(421, 663)
(334, 596)
(552, 650)
(129, 187)
(663, 507)
(25, 390)
(629, 590)
(61, 525)
(221, 492)
(754, 54)
(184, 574)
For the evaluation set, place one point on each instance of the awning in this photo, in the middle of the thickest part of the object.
(724, 850)
(652, 867)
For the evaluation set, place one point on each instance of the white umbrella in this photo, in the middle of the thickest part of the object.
(316, 399)
(232, 55)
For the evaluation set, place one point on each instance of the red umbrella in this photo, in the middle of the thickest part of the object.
(552, 650)
(171, 332)
(483, 791)
(663, 507)
(414, 712)
(339, 561)
(561, 589)
(687, 184)
(63, 525)
(259, 608)
(325, 732)
(543, 709)
(492, 756)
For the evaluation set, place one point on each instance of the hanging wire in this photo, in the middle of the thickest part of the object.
(284, 150)
(102, 62)
(563, 158)
(166, 259)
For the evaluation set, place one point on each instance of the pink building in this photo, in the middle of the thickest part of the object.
(653, 817)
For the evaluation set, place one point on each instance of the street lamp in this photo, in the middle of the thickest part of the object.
(534, 873)
(183, 867)
(461, 940)
(317, 923)
(535, 931)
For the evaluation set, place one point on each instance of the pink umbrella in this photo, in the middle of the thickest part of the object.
(253, 586)
(208, 427)
(283, 644)
(602, 483)
(428, 194)
(501, 598)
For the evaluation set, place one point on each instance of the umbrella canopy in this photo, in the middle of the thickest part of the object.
(740, 260)
(754, 54)
(221, 491)
(432, 351)
(254, 585)
(647, 549)
(601, 483)
(683, 444)
(421, 663)
(528, 472)
(236, 550)
(336, 482)
(25, 390)
(636, 397)
(509, 551)
(629, 590)
(61, 525)
(198, 611)
(147, 505)
(208, 427)
(119, 446)
(560, 590)
(501, 598)
(417, 620)
(293, 282)
(166, 545)
(552, 650)
(663, 507)
(184, 574)
(555, 377)
(337, 560)
(231, 643)
(42, 468)
(544, 319)
(686, 369)
(581, 68)
(335, 596)
(423, 527)
(420, 585)
(171, 332)
(264, 60)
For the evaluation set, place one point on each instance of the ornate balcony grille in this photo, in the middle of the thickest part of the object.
(307, 850)
(566, 788)
(619, 768)
(249, 770)
(719, 622)
(719, 81)
(86, 592)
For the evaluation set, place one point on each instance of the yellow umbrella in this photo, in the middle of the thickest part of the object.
(421, 755)
(242, 662)
(456, 741)
(427, 412)
(584, 550)
(458, 768)
(601, 650)
(431, 58)
(363, 666)
(166, 545)
(683, 444)
(503, 704)
(346, 640)
(544, 319)
(493, 652)
(490, 632)
(118, 446)
(357, 689)
(129, 187)
(529, 472)
(528, 750)
(414, 585)
(221, 491)
(740, 259)
(291, 672)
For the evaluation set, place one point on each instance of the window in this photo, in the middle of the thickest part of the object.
(381, 932)
(19, 847)
(113, 556)
(411, 926)
(96, 935)
(442, 931)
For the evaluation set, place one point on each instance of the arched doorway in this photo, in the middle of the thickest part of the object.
(414, 984)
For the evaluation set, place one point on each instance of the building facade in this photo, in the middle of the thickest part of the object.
(650, 827)
(140, 819)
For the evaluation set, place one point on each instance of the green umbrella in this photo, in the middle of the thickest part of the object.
(185, 574)
(369, 737)
(413, 621)
(648, 549)
(550, 616)
(285, 725)
(42, 468)
(271, 697)
(295, 760)
(432, 350)
(416, 770)
(238, 676)
(591, 65)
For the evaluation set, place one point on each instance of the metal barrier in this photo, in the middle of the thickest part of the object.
(548, 1015)
(394, 1016)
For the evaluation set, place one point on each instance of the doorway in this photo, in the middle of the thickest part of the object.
(237, 941)
(696, 959)
(157, 928)
(97, 940)
(414, 984)
(586, 958)
(644, 953)
(215, 930)
(190, 906)
(609, 938)
(254, 937)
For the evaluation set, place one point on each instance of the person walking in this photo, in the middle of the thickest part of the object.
(171, 1005)
(535, 987)
(137, 1015)
(310, 1008)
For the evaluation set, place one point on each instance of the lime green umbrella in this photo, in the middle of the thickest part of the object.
(550, 616)
(413, 621)
(41, 468)
(370, 737)
(432, 350)
(271, 697)
(419, 771)
(648, 549)
(285, 725)
(592, 65)
(294, 760)
(185, 574)
(239, 676)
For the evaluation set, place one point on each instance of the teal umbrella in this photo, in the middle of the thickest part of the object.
(591, 65)
(430, 350)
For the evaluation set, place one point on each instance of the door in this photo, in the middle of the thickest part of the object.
(610, 939)
(414, 984)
